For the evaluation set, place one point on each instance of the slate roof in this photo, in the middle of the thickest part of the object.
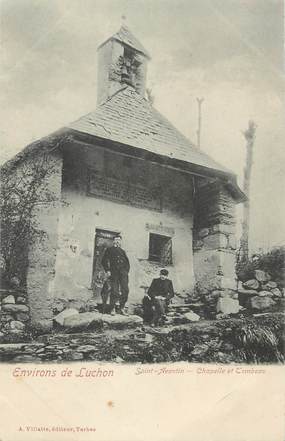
(128, 118)
(125, 36)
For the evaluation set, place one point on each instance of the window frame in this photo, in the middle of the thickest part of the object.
(158, 258)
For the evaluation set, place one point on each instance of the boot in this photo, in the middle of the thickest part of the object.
(123, 311)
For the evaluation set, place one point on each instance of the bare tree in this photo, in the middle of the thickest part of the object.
(249, 135)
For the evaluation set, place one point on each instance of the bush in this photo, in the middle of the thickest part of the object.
(272, 262)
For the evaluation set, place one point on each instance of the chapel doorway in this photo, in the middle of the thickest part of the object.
(103, 240)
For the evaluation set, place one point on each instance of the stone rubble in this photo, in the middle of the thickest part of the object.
(257, 294)
(201, 341)
(262, 276)
(261, 293)
(14, 315)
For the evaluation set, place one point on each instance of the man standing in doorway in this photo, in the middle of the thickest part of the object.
(117, 266)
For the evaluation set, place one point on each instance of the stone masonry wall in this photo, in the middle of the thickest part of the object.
(214, 241)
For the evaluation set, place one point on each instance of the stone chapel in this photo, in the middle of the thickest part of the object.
(124, 168)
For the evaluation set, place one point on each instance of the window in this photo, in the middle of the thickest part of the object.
(160, 249)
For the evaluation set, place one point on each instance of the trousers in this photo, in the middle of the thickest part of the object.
(160, 309)
(119, 285)
(147, 310)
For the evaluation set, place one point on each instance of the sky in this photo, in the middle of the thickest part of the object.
(230, 52)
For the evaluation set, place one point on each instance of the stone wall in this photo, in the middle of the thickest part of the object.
(214, 239)
(14, 315)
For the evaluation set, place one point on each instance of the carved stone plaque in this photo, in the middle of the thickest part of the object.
(124, 192)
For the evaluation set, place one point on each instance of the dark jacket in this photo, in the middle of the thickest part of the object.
(115, 260)
(162, 288)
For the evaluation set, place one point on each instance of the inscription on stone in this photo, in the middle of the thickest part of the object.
(123, 191)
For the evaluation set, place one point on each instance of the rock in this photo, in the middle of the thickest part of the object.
(200, 350)
(14, 324)
(16, 332)
(8, 300)
(83, 321)
(225, 358)
(91, 305)
(228, 306)
(261, 303)
(122, 321)
(26, 358)
(75, 356)
(203, 233)
(86, 348)
(221, 316)
(118, 360)
(248, 292)
(21, 300)
(270, 285)
(191, 316)
(265, 294)
(77, 304)
(69, 312)
(251, 284)
(5, 317)
(276, 292)
(15, 308)
(261, 276)
(22, 316)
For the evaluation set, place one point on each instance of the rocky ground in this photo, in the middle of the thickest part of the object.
(259, 339)
(221, 326)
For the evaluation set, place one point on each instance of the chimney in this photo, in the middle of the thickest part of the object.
(122, 60)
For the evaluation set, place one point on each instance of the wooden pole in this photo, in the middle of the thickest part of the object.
(199, 101)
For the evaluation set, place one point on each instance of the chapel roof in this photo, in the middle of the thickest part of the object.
(128, 118)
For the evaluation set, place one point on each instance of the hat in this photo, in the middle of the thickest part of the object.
(164, 272)
(118, 236)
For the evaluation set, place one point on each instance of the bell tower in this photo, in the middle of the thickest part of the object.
(122, 60)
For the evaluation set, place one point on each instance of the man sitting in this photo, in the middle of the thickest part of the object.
(159, 294)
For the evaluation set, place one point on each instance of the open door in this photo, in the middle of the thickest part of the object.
(103, 240)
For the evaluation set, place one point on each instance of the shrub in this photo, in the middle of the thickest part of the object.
(272, 262)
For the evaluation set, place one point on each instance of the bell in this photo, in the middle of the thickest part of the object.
(125, 75)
